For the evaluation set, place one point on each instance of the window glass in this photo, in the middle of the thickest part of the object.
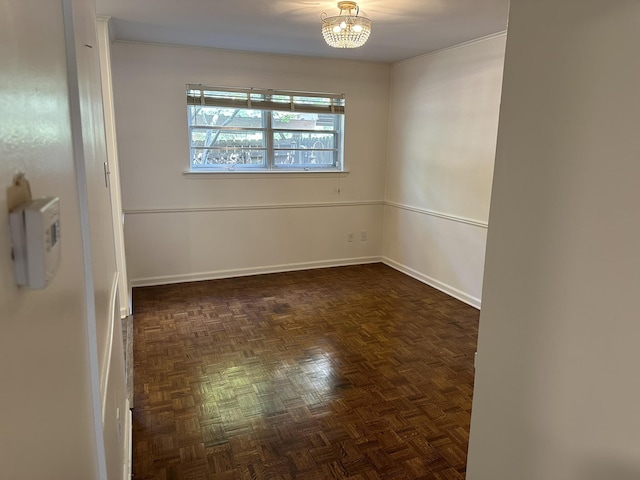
(264, 130)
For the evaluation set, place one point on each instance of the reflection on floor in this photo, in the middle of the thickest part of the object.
(352, 372)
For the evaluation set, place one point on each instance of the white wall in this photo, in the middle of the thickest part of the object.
(184, 227)
(43, 353)
(56, 343)
(556, 392)
(442, 134)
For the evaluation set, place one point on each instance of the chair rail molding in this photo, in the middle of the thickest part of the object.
(433, 213)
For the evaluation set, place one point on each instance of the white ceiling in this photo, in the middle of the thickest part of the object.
(401, 28)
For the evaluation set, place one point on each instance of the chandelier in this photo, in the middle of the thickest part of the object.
(347, 29)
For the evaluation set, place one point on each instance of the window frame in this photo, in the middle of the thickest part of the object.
(268, 102)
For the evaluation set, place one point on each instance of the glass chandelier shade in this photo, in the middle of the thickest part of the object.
(348, 29)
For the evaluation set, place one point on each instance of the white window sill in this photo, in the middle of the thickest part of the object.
(265, 173)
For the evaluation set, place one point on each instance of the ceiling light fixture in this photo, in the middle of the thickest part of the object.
(347, 29)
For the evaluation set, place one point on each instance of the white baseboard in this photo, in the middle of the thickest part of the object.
(244, 272)
(128, 444)
(443, 287)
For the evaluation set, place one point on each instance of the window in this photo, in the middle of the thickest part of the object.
(255, 130)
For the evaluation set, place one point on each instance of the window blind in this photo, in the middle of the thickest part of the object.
(260, 99)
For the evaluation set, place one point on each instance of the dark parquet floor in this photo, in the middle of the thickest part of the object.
(352, 372)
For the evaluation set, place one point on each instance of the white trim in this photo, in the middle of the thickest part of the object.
(226, 208)
(291, 267)
(76, 118)
(455, 47)
(104, 50)
(128, 444)
(437, 284)
(106, 19)
(108, 353)
(433, 213)
(244, 272)
(227, 174)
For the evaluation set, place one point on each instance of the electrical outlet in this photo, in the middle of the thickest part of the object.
(349, 237)
(363, 236)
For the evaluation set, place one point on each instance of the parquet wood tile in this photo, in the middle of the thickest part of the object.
(341, 373)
